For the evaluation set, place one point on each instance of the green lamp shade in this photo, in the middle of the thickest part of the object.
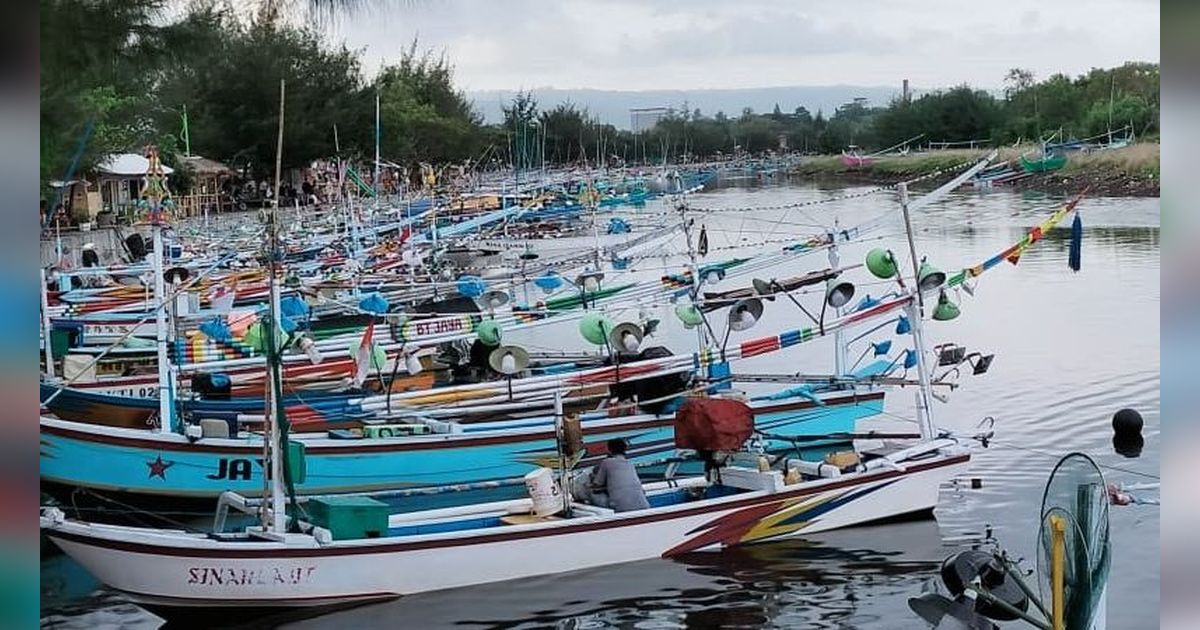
(881, 263)
(929, 277)
(689, 315)
(489, 332)
(945, 310)
(595, 328)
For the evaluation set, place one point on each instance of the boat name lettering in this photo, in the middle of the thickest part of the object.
(228, 576)
(438, 327)
(235, 469)
(148, 391)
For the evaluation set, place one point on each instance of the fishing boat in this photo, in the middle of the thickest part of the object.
(329, 550)
(1043, 164)
(474, 433)
(177, 573)
(854, 159)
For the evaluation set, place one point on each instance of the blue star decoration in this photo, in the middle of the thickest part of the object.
(158, 468)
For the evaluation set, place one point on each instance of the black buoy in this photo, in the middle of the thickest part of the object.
(1128, 445)
(1127, 433)
(1127, 423)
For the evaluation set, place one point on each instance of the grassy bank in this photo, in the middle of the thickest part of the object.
(1133, 170)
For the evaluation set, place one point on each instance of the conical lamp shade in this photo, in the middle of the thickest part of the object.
(945, 310)
(929, 277)
(838, 293)
(489, 332)
(595, 328)
(689, 315)
(881, 263)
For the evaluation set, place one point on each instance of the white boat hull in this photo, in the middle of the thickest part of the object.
(180, 570)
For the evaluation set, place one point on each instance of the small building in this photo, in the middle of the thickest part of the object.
(645, 118)
(113, 185)
(209, 191)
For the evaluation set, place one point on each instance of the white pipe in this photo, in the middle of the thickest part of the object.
(916, 313)
(46, 322)
(166, 407)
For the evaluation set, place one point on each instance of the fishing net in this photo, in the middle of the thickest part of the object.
(1076, 494)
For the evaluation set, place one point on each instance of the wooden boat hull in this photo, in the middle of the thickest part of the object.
(176, 572)
(1044, 164)
(166, 464)
(138, 409)
(856, 161)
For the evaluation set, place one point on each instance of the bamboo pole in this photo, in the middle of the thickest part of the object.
(1058, 528)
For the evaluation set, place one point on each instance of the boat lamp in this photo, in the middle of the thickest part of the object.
(626, 337)
(765, 288)
(471, 286)
(489, 332)
(689, 315)
(412, 364)
(881, 263)
(945, 310)
(595, 328)
(492, 300)
(929, 277)
(838, 293)
(876, 349)
(590, 280)
(712, 275)
(548, 283)
(745, 314)
(508, 360)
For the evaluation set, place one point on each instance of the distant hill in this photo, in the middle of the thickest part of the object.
(612, 106)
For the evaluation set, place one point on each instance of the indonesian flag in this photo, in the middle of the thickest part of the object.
(222, 297)
(362, 360)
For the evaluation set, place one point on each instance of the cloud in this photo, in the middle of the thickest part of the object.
(633, 44)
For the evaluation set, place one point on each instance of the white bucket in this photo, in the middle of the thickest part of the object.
(544, 491)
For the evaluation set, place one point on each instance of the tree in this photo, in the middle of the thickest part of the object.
(1017, 80)
(97, 62)
(424, 118)
(230, 87)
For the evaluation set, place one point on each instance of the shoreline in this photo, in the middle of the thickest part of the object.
(1131, 171)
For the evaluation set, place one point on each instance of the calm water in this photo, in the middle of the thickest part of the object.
(1071, 349)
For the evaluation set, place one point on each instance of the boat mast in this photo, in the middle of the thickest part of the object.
(378, 188)
(153, 192)
(702, 338)
(274, 517)
(840, 356)
(916, 314)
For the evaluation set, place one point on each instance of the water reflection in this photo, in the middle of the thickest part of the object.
(858, 577)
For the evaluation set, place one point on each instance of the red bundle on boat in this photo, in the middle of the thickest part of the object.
(713, 424)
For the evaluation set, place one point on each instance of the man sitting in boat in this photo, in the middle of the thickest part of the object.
(614, 481)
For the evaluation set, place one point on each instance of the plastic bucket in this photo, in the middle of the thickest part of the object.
(544, 491)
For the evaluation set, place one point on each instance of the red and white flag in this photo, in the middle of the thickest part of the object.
(362, 360)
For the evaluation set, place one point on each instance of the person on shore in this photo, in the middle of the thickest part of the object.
(615, 483)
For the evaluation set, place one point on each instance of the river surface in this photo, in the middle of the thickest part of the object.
(1071, 349)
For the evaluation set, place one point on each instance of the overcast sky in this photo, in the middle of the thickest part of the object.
(646, 44)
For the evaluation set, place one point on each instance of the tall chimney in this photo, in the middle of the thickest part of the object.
(904, 91)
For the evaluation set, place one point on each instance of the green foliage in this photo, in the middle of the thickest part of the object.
(423, 118)
(96, 57)
(125, 69)
(953, 115)
(227, 76)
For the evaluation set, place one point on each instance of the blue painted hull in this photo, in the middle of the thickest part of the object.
(145, 463)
